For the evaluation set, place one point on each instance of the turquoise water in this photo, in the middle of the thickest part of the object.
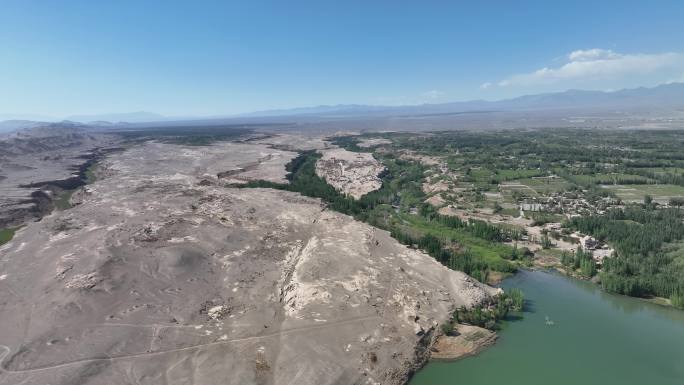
(596, 338)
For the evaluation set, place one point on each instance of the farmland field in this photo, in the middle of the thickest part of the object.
(634, 193)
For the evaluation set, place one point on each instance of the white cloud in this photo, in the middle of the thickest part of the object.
(432, 94)
(679, 79)
(597, 65)
(592, 54)
(485, 85)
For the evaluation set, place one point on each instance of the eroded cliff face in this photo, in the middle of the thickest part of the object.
(38, 163)
(163, 275)
(352, 173)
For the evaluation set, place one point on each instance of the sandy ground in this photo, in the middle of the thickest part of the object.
(372, 142)
(430, 187)
(162, 275)
(295, 141)
(467, 340)
(424, 159)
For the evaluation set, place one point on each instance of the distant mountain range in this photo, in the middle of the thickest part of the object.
(664, 100)
(660, 99)
(15, 124)
(26, 128)
(130, 117)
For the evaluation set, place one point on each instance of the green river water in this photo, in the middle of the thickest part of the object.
(596, 338)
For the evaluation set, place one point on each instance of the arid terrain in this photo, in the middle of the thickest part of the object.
(38, 163)
(162, 274)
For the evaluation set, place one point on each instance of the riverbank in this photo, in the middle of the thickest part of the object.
(553, 263)
(573, 332)
(465, 341)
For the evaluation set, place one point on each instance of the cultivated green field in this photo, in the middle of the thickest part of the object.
(610, 178)
(636, 192)
(546, 185)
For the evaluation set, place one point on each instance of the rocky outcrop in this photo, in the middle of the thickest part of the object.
(352, 173)
(464, 341)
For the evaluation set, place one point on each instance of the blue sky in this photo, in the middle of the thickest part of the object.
(59, 58)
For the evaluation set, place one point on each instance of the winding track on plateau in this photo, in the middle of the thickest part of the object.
(186, 348)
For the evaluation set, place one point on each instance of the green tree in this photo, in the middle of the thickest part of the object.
(677, 298)
(648, 200)
(588, 267)
(517, 299)
(546, 241)
(677, 202)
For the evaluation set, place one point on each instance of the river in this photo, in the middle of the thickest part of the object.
(595, 338)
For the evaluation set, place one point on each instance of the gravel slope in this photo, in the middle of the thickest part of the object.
(162, 275)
